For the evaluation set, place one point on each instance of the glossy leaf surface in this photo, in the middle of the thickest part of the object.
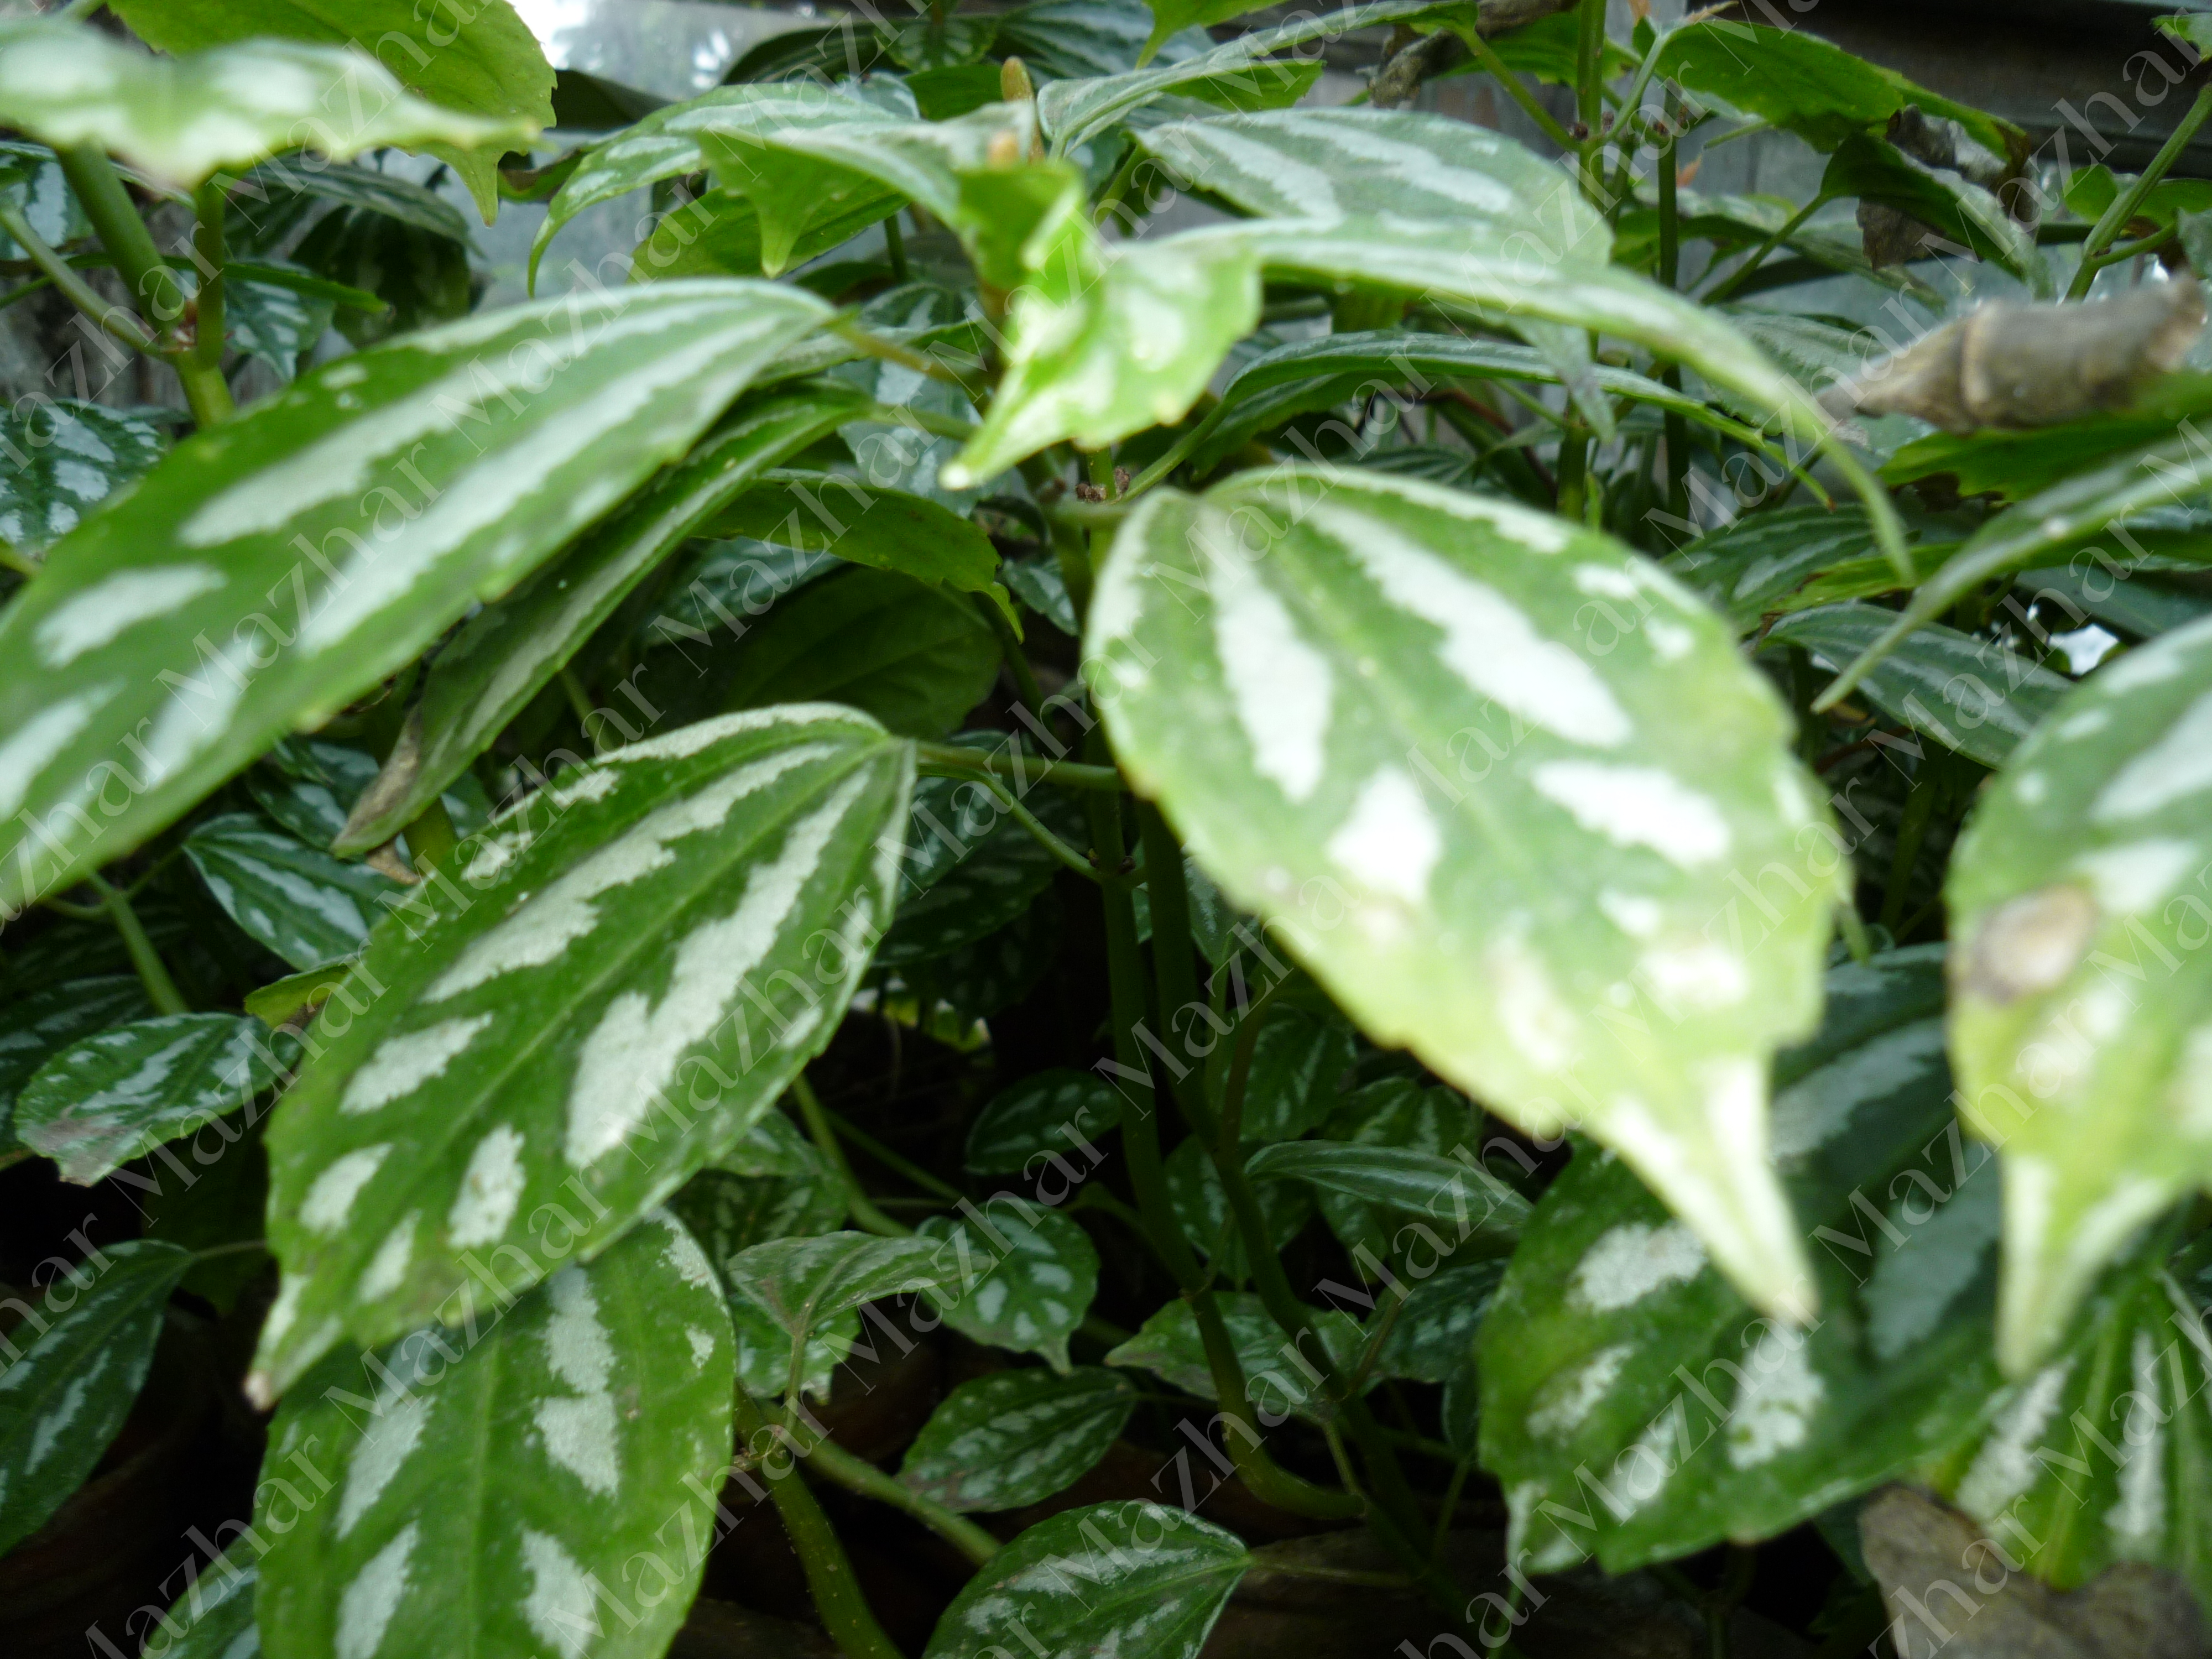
(1276, 1378)
(1400, 1178)
(72, 1375)
(1431, 1339)
(65, 456)
(489, 1494)
(1202, 1208)
(34, 1027)
(1023, 1282)
(1157, 1579)
(808, 1286)
(110, 1096)
(652, 912)
(323, 538)
(1634, 1406)
(1044, 1114)
(306, 906)
(509, 651)
(1303, 717)
(1013, 1438)
(1791, 560)
(889, 529)
(2081, 1013)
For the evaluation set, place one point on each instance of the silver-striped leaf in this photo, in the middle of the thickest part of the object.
(2081, 1013)
(308, 906)
(1636, 1407)
(1465, 1198)
(1435, 739)
(230, 106)
(1394, 1112)
(1431, 1337)
(1977, 696)
(2105, 1454)
(1022, 1278)
(1277, 1378)
(505, 654)
(109, 1098)
(43, 1024)
(1201, 1209)
(323, 538)
(809, 1288)
(1300, 1061)
(1055, 1113)
(971, 867)
(1013, 1438)
(65, 456)
(1156, 1579)
(593, 999)
(73, 1367)
(543, 1482)
(1793, 559)
(213, 1618)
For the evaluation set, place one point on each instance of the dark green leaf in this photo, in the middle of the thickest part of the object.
(31, 182)
(274, 323)
(1299, 1061)
(62, 457)
(509, 651)
(306, 906)
(214, 1618)
(887, 529)
(1115, 1578)
(494, 1485)
(109, 1098)
(1073, 39)
(1277, 1378)
(1055, 1112)
(2138, 605)
(1432, 1336)
(421, 278)
(67, 1389)
(34, 1027)
(1467, 1198)
(1041, 586)
(1201, 1206)
(970, 867)
(685, 920)
(389, 193)
(1020, 1278)
(1875, 170)
(1792, 559)
(1396, 1112)
(805, 1284)
(1013, 1438)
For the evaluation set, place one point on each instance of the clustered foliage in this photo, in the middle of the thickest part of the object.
(1443, 827)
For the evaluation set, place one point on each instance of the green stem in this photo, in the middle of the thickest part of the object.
(161, 989)
(1117, 189)
(2114, 219)
(1450, 1507)
(1789, 228)
(895, 248)
(857, 1474)
(210, 203)
(1670, 274)
(1174, 954)
(1589, 67)
(1853, 927)
(1486, 56)
(890, 351)
(1573, 472)
(1010, 649)
(847, 1130)
(1911, 831)
(946, 760)
(116, 320)
(837, 1597)
(1065, 854)
(858, 1204)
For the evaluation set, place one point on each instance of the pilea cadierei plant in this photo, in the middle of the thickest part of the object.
(1445, 826)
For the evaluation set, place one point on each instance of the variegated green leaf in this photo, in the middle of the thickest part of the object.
(970, 867)
(1054, 1113)
(1396, 1112)
(889, 529)
(1431, 1337)
(811, 1288)
(32, 182)
(108, 1097)
(1013, 1438)
(1155, 1578)
(482, 58)
(684, 920)
(1299, 1059)
(34, 1027)
(541, 1483)
(214, 1618)
(1975, 695)
(391, 194)
(1072, 39)
(1022, 1278)
(1276, 1379)
(2105, 1454)
(73, 1367)
(509, 651)
(2081, 1019)
(304, 904)
(1546, 941)
(61, 459)
(1464, 1197)
(1635, 1407)
(182, 117)
(265, 574)
(1790, 560)
(1201, 1207)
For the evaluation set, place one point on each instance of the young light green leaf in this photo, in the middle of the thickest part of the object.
(319, 541)
(1277, 1378)
(887, 529)
(180, 119)
(1974, 696)
(1304, 717)
(1431, 1337)
(510, 650)
(2076, 874)
(914, 657)
(64, 458)
(2105, 1455)
(67, 1389)
(1013, 1438)
(482, 59)
(1201, 1209)
(497, 1489)
(1635, 1408)
(1153, 1580)
(1023, 1279)
(306, 906)
(43, 1024)
(106, 1098)
(685, 920)
(1401, 1178)
(1055, 1113)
